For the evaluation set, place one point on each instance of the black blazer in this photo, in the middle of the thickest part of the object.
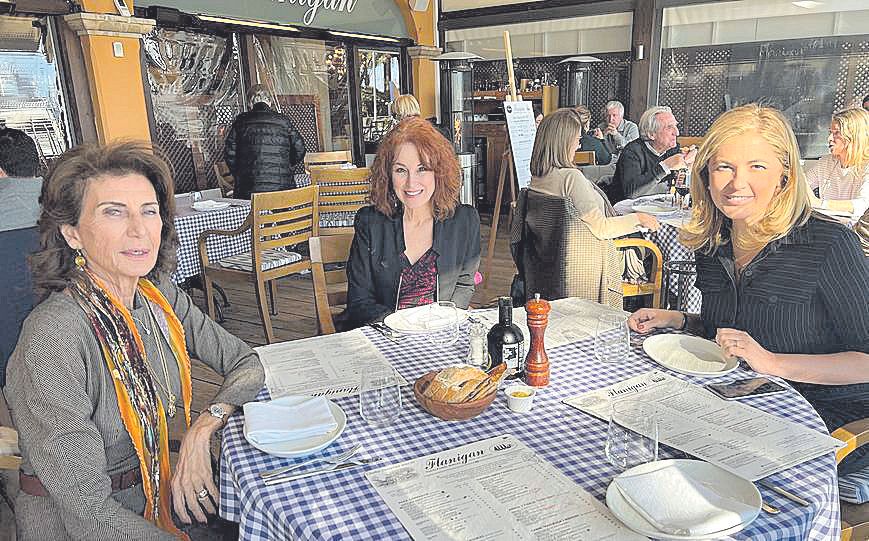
(375, 263)
(638, 172)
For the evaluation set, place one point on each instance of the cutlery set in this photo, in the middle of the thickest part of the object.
(387, 332)
(334, 463)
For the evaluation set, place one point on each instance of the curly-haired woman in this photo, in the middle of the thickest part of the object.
(103, 362)
(415, 244)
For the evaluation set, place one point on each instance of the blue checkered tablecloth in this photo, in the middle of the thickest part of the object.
(667, 239)
(189, 224)
(345, 506)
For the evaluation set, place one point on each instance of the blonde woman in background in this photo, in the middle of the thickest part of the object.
(783, 288)
(404, 106)
(842, 176)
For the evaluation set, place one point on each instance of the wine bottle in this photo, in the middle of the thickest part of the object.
(505, 341)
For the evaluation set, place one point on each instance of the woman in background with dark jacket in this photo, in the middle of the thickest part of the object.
(416, 244)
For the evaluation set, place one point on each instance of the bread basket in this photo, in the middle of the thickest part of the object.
(449, 411)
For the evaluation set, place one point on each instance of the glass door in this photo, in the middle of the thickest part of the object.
(379, 83)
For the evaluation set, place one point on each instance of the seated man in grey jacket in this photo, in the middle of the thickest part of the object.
(617, 130)
(19, 208)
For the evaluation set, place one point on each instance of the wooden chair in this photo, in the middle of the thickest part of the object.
(687, 141)
(225, 180)
(584, 157)
(341, 190)
(653, 286)
(329, 160)
(855, 517)
(330, 287)
(277, 222)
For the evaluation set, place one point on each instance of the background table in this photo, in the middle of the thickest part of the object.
(189, 224)
(345, 506)
(667, 239)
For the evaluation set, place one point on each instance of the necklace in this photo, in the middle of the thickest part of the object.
(170, 407)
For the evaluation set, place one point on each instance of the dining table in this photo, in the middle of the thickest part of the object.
(667, 239)
(344, 505)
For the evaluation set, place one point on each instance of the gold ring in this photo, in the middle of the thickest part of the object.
(202, 494)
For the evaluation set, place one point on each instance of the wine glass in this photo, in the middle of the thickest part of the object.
(612, 339)
(632, 436)
(443, 321)
(380, 395)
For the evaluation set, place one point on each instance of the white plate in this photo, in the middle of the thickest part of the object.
(655, 209)
(209, 204)
(417, 320)
(304, 446)
(724, 483)
(688, 355)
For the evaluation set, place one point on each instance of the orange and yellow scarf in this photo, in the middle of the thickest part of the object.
(140, 408)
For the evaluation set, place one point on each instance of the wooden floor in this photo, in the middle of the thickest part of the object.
(297, 318)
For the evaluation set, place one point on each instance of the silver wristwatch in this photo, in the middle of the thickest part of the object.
(217, 411)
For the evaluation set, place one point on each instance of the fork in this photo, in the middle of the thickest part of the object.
(385, 331)
(276, 480)
(334, 459)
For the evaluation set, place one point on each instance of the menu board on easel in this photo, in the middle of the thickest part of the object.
(522, 129)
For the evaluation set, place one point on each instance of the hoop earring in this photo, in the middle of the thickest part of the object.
(79, 260)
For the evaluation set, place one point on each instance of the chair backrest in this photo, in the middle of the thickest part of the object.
(330, 286)
(584, 157)
(225, 180)
(342, 190)
(561, 256)
(282, 219)
(332, 159)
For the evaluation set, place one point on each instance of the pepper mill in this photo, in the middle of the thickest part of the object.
(537, 362)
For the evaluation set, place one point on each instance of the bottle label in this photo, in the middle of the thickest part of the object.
(511, 355)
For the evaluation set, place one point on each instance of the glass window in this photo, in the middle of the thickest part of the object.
(30, 99)
(805, 61)
(194, 83)
(380, 82)
(309, 80)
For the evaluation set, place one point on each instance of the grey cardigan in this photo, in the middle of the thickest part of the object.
(71, 434)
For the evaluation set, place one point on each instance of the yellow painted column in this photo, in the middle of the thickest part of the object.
(421, 29)
(110, 46)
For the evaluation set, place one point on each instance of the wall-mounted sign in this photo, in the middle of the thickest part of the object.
(375, 17)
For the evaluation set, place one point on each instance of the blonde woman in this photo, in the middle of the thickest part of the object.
(404, 106)
(785, 289)
(842, 176)
(554, 173)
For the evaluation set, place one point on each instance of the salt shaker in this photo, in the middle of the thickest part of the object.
(477, 344)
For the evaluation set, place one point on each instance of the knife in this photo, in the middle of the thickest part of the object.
(312, 473)
(778, 490)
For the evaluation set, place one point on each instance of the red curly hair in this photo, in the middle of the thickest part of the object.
(435, 152)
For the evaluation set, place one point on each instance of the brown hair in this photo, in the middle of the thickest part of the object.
(790, 207)
(553, 144)
(62, 195)
(435, 152)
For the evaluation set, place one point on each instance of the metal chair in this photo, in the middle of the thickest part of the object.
(683, 271)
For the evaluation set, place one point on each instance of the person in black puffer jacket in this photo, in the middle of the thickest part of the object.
(262, 148)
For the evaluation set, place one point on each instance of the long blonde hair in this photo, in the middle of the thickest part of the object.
(854, 126)
(789, 207)
(554, 143)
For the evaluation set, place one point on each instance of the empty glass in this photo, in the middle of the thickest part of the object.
(612, 340)
(632, 437)
(379, 395)
(443, 319)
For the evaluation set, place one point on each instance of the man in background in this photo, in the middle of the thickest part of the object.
(19, 210)
(617, 130)
(647, 164)
(262, 148)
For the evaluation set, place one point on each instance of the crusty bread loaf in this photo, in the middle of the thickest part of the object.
(463, 383)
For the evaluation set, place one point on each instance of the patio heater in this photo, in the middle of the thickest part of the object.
(578, 77)
(457, 112)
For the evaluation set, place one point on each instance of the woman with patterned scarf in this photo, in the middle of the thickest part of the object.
(102, 367)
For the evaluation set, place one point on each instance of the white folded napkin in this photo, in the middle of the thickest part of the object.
(288, 418)
(209, 204)
(675, 504)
